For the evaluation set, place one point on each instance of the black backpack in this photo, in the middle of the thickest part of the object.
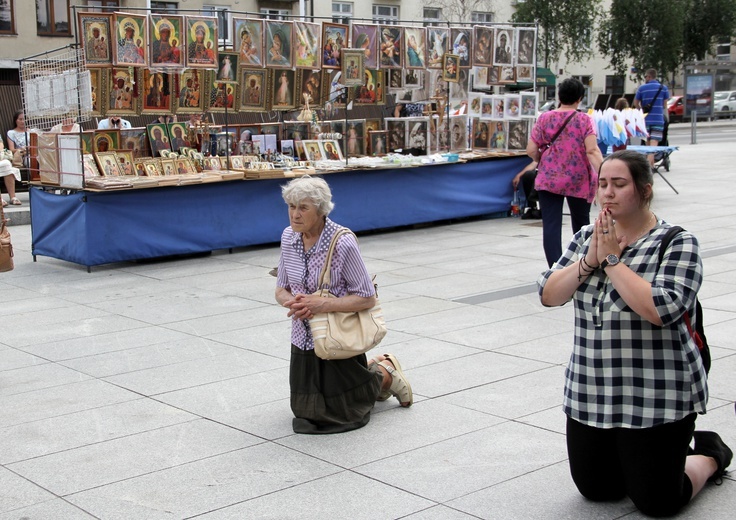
(698, 334)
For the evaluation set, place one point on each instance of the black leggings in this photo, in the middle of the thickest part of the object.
(646, 464)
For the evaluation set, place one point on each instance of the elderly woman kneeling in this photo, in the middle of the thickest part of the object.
(328, 396)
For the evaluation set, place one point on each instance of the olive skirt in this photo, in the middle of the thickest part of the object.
(331, 396)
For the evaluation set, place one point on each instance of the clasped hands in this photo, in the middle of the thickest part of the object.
(604, 240)
(305, 306)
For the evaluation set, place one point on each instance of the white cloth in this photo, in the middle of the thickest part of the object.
(105, 124)
(7, 168)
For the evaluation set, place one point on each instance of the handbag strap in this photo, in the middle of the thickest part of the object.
(561, 128)
(324, 275)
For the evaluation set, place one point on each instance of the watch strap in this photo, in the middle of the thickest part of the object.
(604, 264)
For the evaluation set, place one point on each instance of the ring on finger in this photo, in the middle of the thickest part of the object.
(605, 232)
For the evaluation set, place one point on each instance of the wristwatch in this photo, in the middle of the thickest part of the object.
(609, 260)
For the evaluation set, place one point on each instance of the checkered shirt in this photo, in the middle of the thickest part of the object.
(299, 272)
(624, 371)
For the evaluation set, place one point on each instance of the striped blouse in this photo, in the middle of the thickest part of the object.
(299, 271)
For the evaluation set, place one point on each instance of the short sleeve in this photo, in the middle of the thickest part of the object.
(678, 279)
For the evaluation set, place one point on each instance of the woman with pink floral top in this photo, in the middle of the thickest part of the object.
(568, 165)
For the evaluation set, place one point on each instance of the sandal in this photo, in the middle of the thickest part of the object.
(400, 387)
(385, 395)
(5, 203)
(15, 202)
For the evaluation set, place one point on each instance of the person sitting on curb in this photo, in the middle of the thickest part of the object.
(526, 177)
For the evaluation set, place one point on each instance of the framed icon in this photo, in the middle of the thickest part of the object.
(158, 137)
(222, 96)
(284, 90)
(277, 44)
(450, 67)
(156, 92)
(334, 38)
(192, 97)
(365, 37)
(119, 95)
(248, 41)
(461, 44)
(415, 48)
(94, 30)
(227, 67)
(253, 90)
(131, 42)
(307, 45)
(438, 44)
(310, 83)
(391, 46)
(353, 69)
(201, 33)
(167, 41)
(483, 38)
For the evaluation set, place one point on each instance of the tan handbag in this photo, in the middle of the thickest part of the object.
(6, 248)
(342, 335)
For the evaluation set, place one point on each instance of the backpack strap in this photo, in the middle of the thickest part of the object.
(699, 334)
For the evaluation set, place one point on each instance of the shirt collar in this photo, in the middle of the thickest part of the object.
(323, 244)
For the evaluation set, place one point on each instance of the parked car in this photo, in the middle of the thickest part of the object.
(675, 108)
(724, 101)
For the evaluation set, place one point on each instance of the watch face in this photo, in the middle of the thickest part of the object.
(612, 259)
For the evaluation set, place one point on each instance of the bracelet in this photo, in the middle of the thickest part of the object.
(588, 265)
(581, 271)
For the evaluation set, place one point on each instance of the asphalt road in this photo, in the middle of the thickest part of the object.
(705, 132)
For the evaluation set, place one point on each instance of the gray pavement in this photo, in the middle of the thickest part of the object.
(160, 390)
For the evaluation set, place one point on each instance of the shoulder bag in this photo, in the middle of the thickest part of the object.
(342, 335)
(6, 248)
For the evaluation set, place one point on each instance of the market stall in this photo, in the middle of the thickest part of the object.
(94, 228)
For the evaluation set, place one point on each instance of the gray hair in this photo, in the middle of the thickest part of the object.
(314, 189)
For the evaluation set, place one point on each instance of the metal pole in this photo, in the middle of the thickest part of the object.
(693, 127)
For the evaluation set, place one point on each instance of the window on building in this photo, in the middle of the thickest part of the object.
(163, 7)
(587, 82)
(224, 21)
(342, 12)
(386, 14)
(275, 14)
(615, 85)
(432, 16)
(723, 51)
(52, 18)
(103, 5)
(7, 19)
(481, 17)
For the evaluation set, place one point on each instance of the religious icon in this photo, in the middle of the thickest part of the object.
(307, 43)
(391, 42)
(415, 47)
(438, 44)
(283, 91)
(334, 38)
(461, 38)
(94, 31)
(120, 97)
(156, 92)
(222, 96)
(253, 89)
(278, 44)
(201, 42)
(227, 71)
(249, 43)
(483, 38)
(131, 42)
(190, 99)
(167, 44)
(158, 136)
(365, 37)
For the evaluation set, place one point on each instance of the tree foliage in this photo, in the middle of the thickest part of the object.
(707, 23)
(566, 27)
(647, 33)
(663, 33)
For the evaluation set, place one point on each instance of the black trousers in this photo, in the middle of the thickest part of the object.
(647, 465)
